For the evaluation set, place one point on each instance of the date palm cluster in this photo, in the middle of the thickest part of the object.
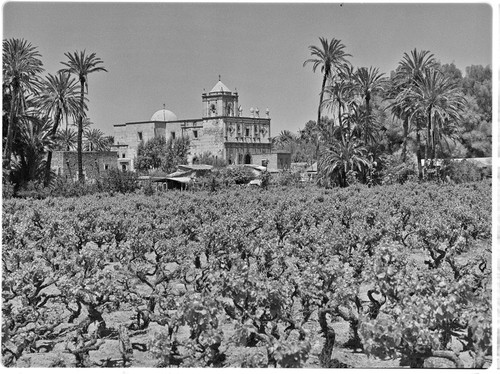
(34, 108)
(419, 94)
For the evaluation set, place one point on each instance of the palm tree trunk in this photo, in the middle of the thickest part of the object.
(80, 134)
(321, 99)
(419, 156)
(340, 122)
(49, 153)
(405, 139)
(434, 142)
(367, 120)
(428, 149)
(10, 131)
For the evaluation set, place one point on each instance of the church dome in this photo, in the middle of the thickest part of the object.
(164, 115)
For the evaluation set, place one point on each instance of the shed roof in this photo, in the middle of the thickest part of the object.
(195, 167)
(180, 179)
(313, 168)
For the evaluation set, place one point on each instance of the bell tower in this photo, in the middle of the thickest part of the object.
(220, 102)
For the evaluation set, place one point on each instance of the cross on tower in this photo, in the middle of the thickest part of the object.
(219, 76)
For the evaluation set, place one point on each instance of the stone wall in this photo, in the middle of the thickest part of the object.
(242, 153)
(210, 138)
(224, 103)
(247, 130)
(65, 163)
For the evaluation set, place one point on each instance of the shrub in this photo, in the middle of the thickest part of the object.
(395, 171)
(236, 175)
(148, 189)
(7, 188)
(69, 188)
(265, 179)
(460, 171)
(119, 181)
(286, 178)
(33, 190)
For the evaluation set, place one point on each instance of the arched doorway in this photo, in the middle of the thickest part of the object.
(248, 159)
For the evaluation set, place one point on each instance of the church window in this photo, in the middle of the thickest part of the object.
(195, 134)
(123, 155)
(172, 135)
(247, 132)
(139, 135)
(106, 167)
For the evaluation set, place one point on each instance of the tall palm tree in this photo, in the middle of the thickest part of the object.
(409, 75)
(328, 57)
(20, 68)
(81, 65)
(368, 82)
(58, 98)
(340, 97)
(441, 101)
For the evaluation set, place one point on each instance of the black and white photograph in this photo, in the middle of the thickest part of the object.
(249, 185)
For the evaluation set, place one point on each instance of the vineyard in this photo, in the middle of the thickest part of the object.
(393, 276)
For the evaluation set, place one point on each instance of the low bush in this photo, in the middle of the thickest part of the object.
(235, 175)
(114, 181)
(119, 181)
(460, 171)
(286, 178)
(396, 171)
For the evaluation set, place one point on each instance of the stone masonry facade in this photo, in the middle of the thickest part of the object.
(222, 131)
(65, 164)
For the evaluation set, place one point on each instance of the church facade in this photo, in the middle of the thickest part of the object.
(223, 131)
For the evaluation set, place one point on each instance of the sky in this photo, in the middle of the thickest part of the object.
(167, 53)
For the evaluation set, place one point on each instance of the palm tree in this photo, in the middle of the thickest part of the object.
(329, 57)
(95, 141)
(81, 65)
(409, 75)
(340, 98)
(20, 67)
(284, 138)
(441, 101)
(33, 140)
(66, 140)
(368, 82)
(59, 97)
(340, 158)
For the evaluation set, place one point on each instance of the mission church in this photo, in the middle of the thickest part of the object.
(223, 131)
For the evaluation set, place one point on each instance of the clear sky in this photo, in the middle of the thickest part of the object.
(168, 53)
